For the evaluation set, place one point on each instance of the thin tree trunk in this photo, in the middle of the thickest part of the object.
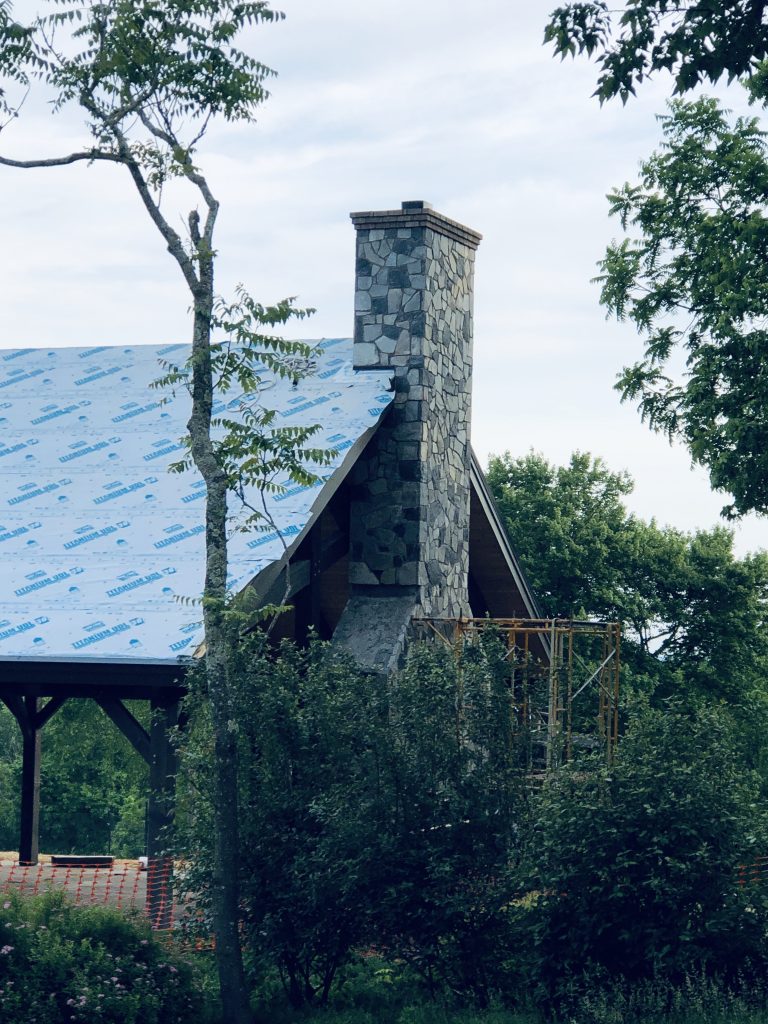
(224, 894)
(197, 269)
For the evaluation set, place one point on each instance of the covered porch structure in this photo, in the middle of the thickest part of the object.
(35, 689)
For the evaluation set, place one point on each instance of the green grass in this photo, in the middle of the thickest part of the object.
(424, 1014)
(375, 996)
(373, 992)
(604, 1014)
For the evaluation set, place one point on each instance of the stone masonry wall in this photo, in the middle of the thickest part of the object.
(413, 318)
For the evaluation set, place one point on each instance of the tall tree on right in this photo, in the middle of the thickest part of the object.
(692, 277)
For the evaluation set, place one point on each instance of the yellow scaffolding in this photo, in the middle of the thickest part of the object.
(555, 665)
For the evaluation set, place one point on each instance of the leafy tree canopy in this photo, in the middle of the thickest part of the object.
(695, 278)
(694, 40)
(693, 612)
(567, 525)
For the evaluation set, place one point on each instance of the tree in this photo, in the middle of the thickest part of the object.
(693, 612)
(93, 795)
(695, 278)
(694, 41)
(149, 78)
(382, 814)
(637, 864)
(569, 527)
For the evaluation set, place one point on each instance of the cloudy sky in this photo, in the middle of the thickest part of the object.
(455, 103)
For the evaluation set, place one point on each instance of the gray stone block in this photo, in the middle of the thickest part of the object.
(361, 575)
(366, 355)
(371, 332)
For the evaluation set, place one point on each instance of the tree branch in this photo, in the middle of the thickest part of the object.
(186, 164)
(172, 238)
(60, 161)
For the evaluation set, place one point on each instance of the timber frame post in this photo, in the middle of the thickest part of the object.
(30, 785)
(31, 719)
(162, 789)
(156, 748)
(162, 774)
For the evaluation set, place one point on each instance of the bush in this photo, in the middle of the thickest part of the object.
(456, 819)
(636, 869)
(60, 963)
(373, 813)
(394, 817)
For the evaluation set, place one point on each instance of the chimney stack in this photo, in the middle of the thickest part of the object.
(411, 490)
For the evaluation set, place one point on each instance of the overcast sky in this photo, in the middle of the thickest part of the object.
(455, 103)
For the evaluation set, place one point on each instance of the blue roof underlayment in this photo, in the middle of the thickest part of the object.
(98, 541)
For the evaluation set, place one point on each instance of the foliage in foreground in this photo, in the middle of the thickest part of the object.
(140, 981)
(636, 866)
(368, 817)
(394, 817)
(61, 964)
(374, 992)
(695, 42)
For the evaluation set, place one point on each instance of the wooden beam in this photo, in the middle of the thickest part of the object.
(303, 572)
(132, 729)
(30, 787)
(315, 570)
(45, 714)
(162, 774)
(15, 705)
(124, 681)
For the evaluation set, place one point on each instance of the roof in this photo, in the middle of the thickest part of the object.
(101, 546)
(500, 563)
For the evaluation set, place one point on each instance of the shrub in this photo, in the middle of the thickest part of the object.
(60, 963)
(457, 818)
(373, 813)
(637, 866)
(310, 811)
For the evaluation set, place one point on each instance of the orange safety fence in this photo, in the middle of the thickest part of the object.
(755, 871)
(125, 886)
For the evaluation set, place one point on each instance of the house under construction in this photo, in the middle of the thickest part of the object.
(102, 546)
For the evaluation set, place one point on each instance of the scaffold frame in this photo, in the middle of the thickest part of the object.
(553, 662)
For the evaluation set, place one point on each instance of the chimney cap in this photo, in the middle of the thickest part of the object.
(416, 213)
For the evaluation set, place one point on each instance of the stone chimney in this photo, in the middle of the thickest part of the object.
(410, 500)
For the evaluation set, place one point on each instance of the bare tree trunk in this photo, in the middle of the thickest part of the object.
(225, 888)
